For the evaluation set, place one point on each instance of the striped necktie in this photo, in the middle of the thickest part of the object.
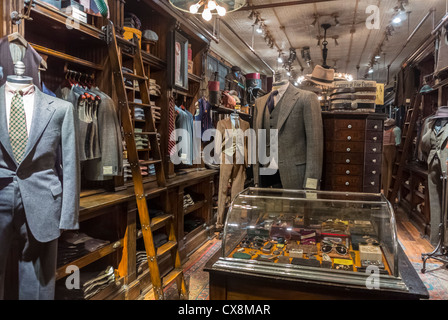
(270, 102)
(18, 134)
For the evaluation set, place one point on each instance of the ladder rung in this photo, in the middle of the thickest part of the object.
(148, 162)
(145, 133)
(143, 105)
(131, 76)
(166, 247)
(172, 276)
(157, 221)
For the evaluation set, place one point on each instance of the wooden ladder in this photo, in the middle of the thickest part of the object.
(158, 282)
(403, 151)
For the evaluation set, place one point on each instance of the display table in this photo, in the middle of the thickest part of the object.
(247, 286)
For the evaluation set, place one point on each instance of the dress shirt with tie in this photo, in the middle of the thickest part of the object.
(28, 101)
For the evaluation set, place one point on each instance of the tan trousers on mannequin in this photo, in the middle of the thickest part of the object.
(235, 172)
(389, 152)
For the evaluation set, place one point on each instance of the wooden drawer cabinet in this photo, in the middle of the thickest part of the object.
(353, 151)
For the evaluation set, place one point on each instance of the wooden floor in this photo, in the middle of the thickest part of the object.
(412, 242)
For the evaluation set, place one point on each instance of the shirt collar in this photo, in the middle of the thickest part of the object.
(29, 90)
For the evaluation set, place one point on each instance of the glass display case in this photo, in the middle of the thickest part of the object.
(339, 238)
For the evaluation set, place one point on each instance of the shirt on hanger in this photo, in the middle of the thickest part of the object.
(28, 102)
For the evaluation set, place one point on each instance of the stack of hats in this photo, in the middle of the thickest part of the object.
(357, 95)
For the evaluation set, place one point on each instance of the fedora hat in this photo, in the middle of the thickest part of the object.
(389, 122)
(442, 112)
(321, 76)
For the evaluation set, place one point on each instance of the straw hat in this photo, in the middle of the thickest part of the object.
(322, 76)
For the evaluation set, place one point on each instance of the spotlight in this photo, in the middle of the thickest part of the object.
(279, 59)
(377, 57)
(370, 70)
(251, 15)
(396, 20)
(259, 29)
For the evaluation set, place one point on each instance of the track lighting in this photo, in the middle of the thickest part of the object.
(280, 59)
(313, 24)
(336, 21)
(335, 38)
(260, 28)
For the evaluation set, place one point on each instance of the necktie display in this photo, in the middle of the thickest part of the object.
(270, 102)
(17, 126)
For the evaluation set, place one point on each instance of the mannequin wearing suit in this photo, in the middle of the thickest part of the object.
(296, 114)
(434, 148)
(234, 159)
(36, 202)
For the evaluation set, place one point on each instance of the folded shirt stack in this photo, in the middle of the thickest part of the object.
(139, 113)
(91, 284)
(142, 260)
(141, 141)
(72, 245)
(188, 201)
(156, 113)
(154, 88)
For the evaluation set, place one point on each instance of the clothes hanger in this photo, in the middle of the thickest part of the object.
(17, 37)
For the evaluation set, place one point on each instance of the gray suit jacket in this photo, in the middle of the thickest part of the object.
(300, 137)
(51, 201)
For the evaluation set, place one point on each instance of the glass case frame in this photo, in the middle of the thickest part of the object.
(247, 217)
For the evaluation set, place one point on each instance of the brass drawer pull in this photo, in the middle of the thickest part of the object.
(373, 172)
(374, 160)
(347, 172)
(375, 138)
(374, 149)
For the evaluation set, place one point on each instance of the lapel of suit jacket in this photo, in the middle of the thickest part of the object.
(4, 133)
(287, 103)
(43, 111)
(260, 105)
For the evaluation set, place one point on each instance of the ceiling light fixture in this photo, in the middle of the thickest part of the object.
(279, 59)
(260, 28)
(208, 8)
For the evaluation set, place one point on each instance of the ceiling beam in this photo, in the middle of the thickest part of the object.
(281, 4)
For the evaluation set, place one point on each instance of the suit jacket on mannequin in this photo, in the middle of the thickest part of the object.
(434, 148)
(51, 202)
(300, 137)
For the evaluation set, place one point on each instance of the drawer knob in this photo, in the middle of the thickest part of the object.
(374, 160)
(372, 183)
(349, 126)
(349, 138)
(374, 149)
(375, 127)
(348, 149)
(373, 172)
(347, 172)
(375, 138)
(347, 161)
(347, 183)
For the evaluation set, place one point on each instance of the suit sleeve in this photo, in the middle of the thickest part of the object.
(70, 171)
(256, 165)
(312, 116)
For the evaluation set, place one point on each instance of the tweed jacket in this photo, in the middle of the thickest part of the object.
(434, 144)
(300, 138)
(51, 201)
